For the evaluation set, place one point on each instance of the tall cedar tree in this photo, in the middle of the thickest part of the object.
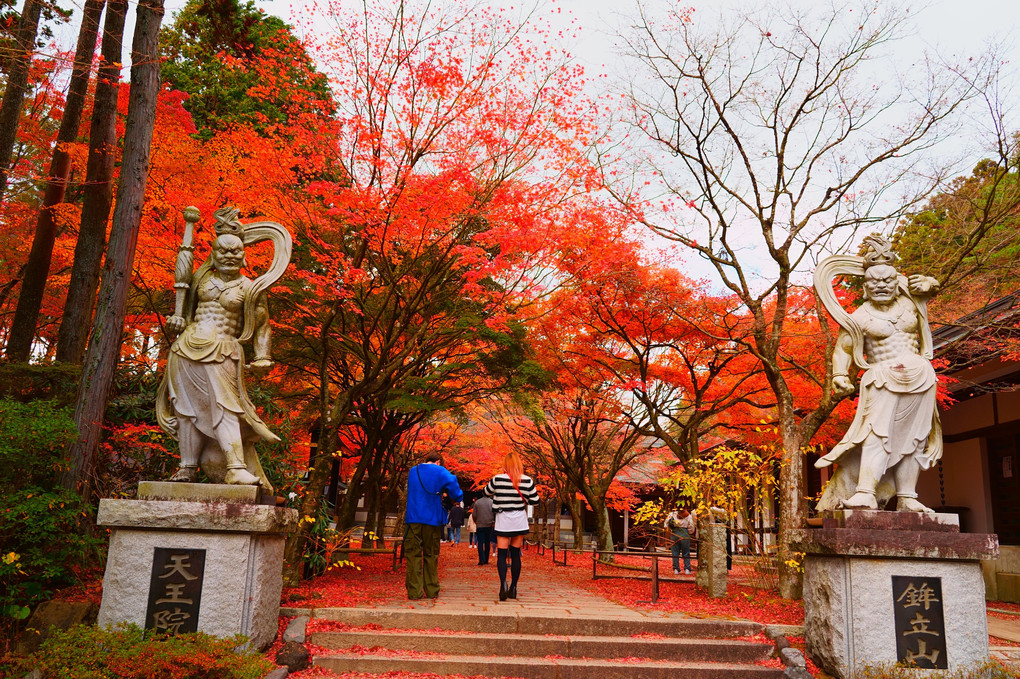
(17, 82)
(781, 144)
(104, 348)
(204, 52)
(33, 284)
(98, 193)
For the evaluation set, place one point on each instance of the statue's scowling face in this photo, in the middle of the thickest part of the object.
(228, 254)
(880, 283)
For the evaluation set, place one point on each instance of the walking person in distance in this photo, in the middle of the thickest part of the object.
(470, 527)
(484, 520)
(511, 493)
(456, 523)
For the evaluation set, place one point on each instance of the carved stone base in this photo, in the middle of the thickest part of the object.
(212, 566)
(875, 594)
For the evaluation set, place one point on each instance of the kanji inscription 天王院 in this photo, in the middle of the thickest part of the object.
(175, 590)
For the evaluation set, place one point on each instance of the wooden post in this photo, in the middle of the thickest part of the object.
(655, 579)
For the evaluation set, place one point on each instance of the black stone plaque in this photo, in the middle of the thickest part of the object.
(920, 623)
(175, 590)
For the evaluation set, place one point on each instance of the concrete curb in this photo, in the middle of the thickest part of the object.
(519, 623)
(540, 668)
(533, 645)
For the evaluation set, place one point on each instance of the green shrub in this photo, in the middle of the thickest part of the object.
(30, 382)
(34, 437)
(88, 652)
(44, 529)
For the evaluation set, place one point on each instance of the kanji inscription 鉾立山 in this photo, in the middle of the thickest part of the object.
(919, 622)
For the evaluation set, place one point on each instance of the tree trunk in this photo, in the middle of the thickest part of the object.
(370, 504)
(33, 285)
(104, 345)
(355, 490)
(398, 526)
(603, 529)
(792, 511)
(95, 212)
(17, 84)
(577, 516)
(556, 521)
(328, 444)
(379, 526)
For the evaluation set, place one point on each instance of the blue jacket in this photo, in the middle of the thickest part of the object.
(425, 486)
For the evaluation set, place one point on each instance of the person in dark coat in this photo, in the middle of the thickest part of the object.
(456, 522)
(484, 520)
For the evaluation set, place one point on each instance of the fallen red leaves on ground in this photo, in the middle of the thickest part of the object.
(370, 582)
(317, 625)
(1003, 606)
(741, 602)
(88, 588)
(322, 672)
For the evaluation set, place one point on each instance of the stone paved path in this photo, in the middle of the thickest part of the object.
(467, 587)
(1009, 630)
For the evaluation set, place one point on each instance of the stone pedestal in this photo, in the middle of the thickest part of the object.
(887, 587)
(186, 557)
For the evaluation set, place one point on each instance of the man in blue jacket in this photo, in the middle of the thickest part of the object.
(425, 519)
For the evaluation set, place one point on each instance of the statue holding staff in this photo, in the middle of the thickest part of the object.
(896, 430)
(202, 401)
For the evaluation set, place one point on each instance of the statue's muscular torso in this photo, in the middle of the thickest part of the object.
(220, 307)
(889, 333)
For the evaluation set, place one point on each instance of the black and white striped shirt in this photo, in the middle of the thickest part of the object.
(505, 498)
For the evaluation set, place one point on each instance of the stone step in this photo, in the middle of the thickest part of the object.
(541, 668)
(523, 622)
(600, 647)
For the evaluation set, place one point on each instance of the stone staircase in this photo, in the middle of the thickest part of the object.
(535, 644)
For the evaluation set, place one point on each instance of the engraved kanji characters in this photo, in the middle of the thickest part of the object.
(175, 589)
(918, 596)
(919, 621)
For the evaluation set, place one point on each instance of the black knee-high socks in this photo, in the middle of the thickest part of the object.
(501, 555)
(515, 565)
(511, 555)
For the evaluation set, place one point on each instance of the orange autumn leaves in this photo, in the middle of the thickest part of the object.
(458, 144)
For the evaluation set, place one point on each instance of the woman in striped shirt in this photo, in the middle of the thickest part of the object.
(511, 493)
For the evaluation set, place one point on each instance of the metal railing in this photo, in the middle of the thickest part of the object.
(653, 570)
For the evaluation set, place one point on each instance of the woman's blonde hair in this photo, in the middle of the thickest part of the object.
(513, 466)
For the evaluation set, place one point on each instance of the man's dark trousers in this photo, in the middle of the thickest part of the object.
(484, 538)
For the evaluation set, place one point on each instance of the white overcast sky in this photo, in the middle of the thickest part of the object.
(953, 25)
(951, 28)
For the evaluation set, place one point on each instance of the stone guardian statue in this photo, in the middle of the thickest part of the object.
(202, 401)
(896, 431)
